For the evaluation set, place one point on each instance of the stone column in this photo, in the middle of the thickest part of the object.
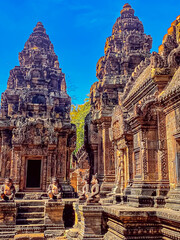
(69, 151)
(54, 219)
(6, 153)
(163, 178)
(62, 148)
(91, 222)
(106, 146)
(95, 155)
(49, 167)
(16, 165)
(129, 168)
(100, 154)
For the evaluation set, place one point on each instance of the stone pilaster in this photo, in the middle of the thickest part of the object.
(108, 160)
(163, 177)
(100, 154)
(95, 155)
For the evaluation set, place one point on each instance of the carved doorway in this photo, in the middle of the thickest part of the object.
(33, 174)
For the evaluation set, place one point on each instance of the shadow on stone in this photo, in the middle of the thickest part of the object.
(68, 216)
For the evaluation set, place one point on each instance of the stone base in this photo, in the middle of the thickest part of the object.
(140, 201)
(141, 223)
(173, 201)
(148, 195)
(91, 222)
(54, 219)
(117, 230)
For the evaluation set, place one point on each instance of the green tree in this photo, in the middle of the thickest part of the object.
(78, 114)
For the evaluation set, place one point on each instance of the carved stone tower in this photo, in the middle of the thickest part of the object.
(124, 50)
(36, 136)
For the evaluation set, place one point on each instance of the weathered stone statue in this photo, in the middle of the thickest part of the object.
(54, 189)
(8, 190)
(85, 189)
(94, 196)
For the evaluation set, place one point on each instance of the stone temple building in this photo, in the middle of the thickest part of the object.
(132, 141)
(132, 132)
(36, 136)
(124, 50)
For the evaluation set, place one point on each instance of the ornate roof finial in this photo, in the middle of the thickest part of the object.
(127, 11)
(39, 28)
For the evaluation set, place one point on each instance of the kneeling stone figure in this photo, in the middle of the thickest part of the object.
(8, 190)
(54, 189)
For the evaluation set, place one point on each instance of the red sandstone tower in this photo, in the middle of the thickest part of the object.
(124, 50)
(36, 136)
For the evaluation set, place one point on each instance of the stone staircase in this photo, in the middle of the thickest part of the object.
(7, 233)
(30, 216)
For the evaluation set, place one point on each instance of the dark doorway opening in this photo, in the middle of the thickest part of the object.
(33, 174)
(68, 216)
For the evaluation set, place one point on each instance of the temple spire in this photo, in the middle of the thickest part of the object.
(39, 28)
(127, 11)
(38, 49)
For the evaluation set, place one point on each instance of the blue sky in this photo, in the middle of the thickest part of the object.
(78, 30)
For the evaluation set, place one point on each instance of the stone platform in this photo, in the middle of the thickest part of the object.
(88, 223)
(32, 219)
(126, 222)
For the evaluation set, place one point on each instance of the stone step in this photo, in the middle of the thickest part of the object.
(108, 200)
(35, 228)
(30, 203)
(30, 209)
(26, 215)
(37, 236)
(6, 228)
(30, 221)
(7, 235)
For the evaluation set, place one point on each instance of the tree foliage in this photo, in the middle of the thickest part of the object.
(78, 114)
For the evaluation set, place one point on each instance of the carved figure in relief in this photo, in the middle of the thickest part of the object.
(120, 171)
(8, 190)
(85, 189)
(94, 196)
(54, 189)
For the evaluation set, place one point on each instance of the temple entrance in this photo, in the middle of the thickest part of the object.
(33, 179)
